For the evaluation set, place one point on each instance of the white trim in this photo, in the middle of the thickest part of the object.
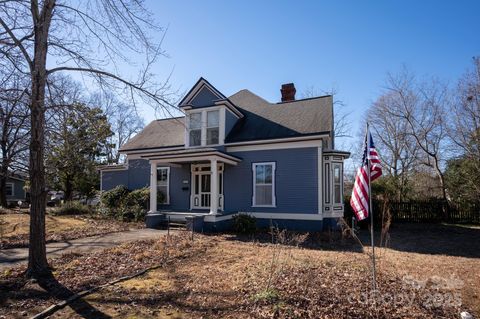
(277, 140)
(320, 178)
(134, 153)
(168, 183)
(221, 120)
(204, 157)
(197, 88)
(274, 198)
(294, 216)
(153, 187)
(274, 146)
(13, 189)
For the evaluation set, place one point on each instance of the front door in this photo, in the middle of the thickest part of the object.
(201, 183)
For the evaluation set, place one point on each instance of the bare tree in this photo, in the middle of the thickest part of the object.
(124, 121)
(465, 127)
(92, 37)
(14, 127)
(341, 121)
(422, 105)
(397, 148)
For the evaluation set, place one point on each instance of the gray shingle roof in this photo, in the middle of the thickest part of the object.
(262, 120)
(158, 134)
(265, 120)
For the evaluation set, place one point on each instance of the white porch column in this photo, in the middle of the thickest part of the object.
(153, 187)
(213, 186)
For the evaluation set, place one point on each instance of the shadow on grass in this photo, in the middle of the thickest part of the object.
(330, 241)
(432, 239)
(53, 289)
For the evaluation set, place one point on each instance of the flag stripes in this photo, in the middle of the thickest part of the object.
(360, 193)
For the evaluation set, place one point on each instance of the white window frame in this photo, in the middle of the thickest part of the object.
(167, 201)
(13, 189)
(208, 127)
(203, 136)
(189, 129)
(340, 183)
(254, 183)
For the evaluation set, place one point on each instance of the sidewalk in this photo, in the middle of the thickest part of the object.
(14, 256)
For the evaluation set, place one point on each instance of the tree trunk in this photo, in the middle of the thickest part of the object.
(68, 188)
(37, 258)
(3, 187)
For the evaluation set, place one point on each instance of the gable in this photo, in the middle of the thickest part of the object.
(201, 94)
(204, 97)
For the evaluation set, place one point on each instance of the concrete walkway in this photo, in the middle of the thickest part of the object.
(14, 256)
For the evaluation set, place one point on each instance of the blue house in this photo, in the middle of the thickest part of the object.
(239, 154)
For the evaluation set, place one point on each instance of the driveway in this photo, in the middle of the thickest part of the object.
(14, 256)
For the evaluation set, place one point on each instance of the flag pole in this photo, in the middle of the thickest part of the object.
(370, 208)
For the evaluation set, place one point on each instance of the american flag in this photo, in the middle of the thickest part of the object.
(360, 193)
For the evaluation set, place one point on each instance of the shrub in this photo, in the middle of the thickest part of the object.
(244, 224)
(72, 208)
(114, 197)
(138, 197)
(125, 205)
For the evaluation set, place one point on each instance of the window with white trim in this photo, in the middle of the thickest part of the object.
(213, 129)
(163, 185)
(263, 184)
(337, 183)
(195, 129)
(9, 189)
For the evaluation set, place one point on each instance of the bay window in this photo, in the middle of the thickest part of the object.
(212, 127)
(263, 184)
(195, 133)
(204, 128)
(337, 183)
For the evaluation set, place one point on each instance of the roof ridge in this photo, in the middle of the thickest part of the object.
(170, 118)
(305, 99)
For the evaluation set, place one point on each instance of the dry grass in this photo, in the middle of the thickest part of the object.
(14, 228)
(223, 277)
(19, 224)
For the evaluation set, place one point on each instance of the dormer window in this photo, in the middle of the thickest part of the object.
(195, 129)
(213, 123)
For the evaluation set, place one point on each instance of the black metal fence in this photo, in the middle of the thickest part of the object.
(432, 211)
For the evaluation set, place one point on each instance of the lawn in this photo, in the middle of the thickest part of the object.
(14, 228)
(224, 276)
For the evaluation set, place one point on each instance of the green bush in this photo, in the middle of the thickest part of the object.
(138, 197)
(72, 208)
(244, 224)
(112, 198)
(125, 205)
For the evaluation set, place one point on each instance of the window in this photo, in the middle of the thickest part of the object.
(264, 184)
(212, 127)
(327, 183)
(9, 189)
(337, 183)
(163, 177)
(195, 129)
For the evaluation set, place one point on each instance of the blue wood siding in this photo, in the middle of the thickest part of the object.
(230, 121)
(179, 192)
(204, 98)
(111, 179)
(18, 191)
(296, 184)
(138, 174)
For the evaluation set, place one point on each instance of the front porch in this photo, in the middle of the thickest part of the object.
(204, 183)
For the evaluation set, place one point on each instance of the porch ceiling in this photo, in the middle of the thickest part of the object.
(192, 155)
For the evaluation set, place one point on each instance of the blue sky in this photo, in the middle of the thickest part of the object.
(349, 45)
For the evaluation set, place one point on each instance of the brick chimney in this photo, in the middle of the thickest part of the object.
(288, 92)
